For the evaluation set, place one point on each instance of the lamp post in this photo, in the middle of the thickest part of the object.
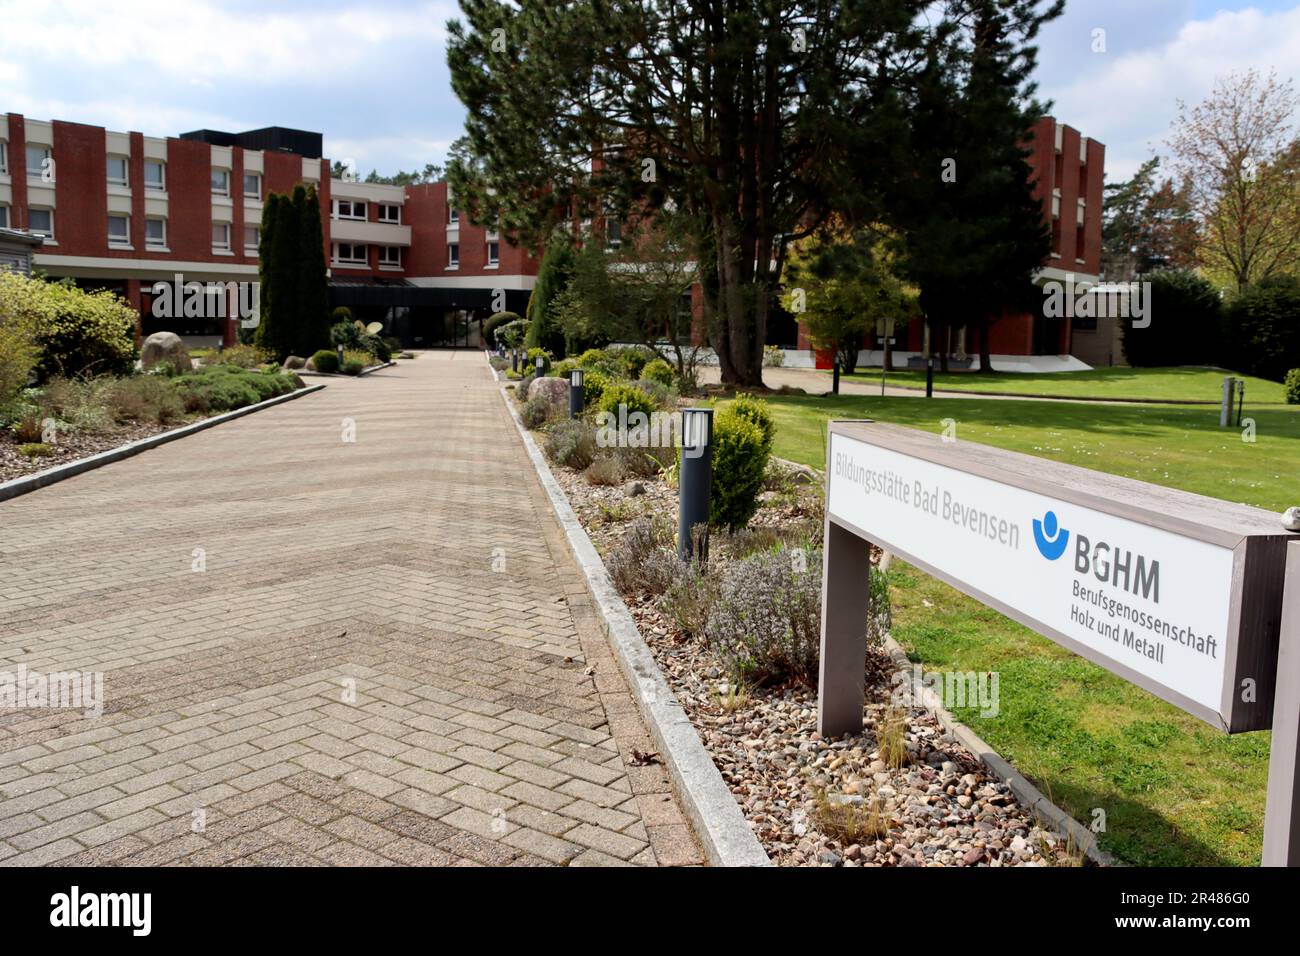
(577, 398)
(1241, 398)
(835, 375)
(338, 350)
(538, 365)
(695, 482)
(514, 361)
(929, 377)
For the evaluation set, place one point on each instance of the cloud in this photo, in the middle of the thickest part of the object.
(1129, 100)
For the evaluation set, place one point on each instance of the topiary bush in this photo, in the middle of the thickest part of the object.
(740, 453)
(570, 443)
(494, 322)
(766, 620)
(658, 371)
(757, 411)
(326, 360)
(1293, 387)
(622, 393)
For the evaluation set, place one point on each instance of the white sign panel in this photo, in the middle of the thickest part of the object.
(1155, 602)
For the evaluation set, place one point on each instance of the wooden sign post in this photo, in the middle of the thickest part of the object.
(1175, 592)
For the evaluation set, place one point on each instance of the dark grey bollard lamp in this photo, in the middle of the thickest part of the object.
(695, 481)
(514, 361)
(540, 362)
(577, 398)
(338, 350)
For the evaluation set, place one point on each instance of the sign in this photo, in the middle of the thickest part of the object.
(1123, 573)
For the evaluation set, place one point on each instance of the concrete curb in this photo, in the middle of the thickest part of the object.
(1026, 793)
(21, 486)
(715, 815)
(365, 371)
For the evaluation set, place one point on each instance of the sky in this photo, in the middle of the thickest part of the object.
(373, 78)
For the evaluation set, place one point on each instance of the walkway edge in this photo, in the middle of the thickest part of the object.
(27, 483)
(717, 819)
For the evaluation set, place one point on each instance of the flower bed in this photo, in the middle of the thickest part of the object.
(902, 794)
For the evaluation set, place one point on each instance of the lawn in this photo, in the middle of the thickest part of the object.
(1174, 790)
(1130, 384)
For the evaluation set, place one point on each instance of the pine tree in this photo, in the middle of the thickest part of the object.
(313, 288)
(552, 278)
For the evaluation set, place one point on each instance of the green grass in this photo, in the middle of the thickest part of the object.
(1179, 447)
(1134, 384)
(1175, 792)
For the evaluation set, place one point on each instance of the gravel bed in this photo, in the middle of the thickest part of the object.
(941, 806)
(70, 447)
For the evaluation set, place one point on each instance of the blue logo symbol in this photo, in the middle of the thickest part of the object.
(1050, 538)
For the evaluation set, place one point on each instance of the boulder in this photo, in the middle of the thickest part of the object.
(165, 347)
(310, 366)
(295, 361)
(555, 390)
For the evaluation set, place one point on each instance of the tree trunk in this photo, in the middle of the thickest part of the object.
(888, 360)
(945, 336)
(986, 362)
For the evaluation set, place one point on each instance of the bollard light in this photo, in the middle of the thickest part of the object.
(577, 398)
(695, 482)
(835, 380)
(1241, 398)
(929, 377)
(514, 360)
(539, 364)
(339, 353)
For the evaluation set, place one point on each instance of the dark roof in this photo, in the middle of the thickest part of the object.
(27, 238)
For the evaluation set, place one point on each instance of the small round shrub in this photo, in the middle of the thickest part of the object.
(341, 314)
(658, 371)
(35, 449)
(536, 412)
(562, 368)
(1293, 387)
(593, 358)
(494, 322)
(660, 394)
(740, 453)
(766, 620)
(593, 387)
(605, 470)
(632, 361)
(621, 393)
(571, 443)
(326, 360)
(757, 411)
(347, 334)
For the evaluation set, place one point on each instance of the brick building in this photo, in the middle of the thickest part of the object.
(124, 211)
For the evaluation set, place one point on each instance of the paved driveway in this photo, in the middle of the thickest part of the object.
(316, 650)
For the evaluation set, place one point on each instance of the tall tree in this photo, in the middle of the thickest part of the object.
(754, 116)
(278, 331)
(973, 232)
(313, 286)
(1147, 224)
(1239, 154)
(552, 278)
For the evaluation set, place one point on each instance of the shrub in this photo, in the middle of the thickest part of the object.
(536, 411)
(494, 322)
(605, 470)
(593, 387)
(347, 334)
(1263, 328)
(144, 398)
(76, 332)
(766, 620)
(661, 396)
(534, 354)
(740, 453)
(690, 598)
(377, 348)
(658, 371)
(222, 388)
(644, 537)
(326, 360)
(512, 334)
(773, 356)
(562, 368)
(28, 425)
(631, 361)
(1185, 320)
(757, 411)
(35, 449)
(355, 361)
(78, 403)
(1293, 387)
(521, 388)
(571, 444)
(19, 352)
(341, 314)
(622, 393)
(244, 356)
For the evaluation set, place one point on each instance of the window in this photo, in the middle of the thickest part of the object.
(494, 252)
(221, 235)
(252, 185)
(349, 209)
(354, 252)
(389, 212)
(4, 217)
(453, 217)
(154, 176)
(453, 255)
(252, 238)
(119, 231)
(221, 182)
(155, 233)
(40, 165)
(613, 233)
(4, 156)
(117, 170)
(390, 256)
(41, 222)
